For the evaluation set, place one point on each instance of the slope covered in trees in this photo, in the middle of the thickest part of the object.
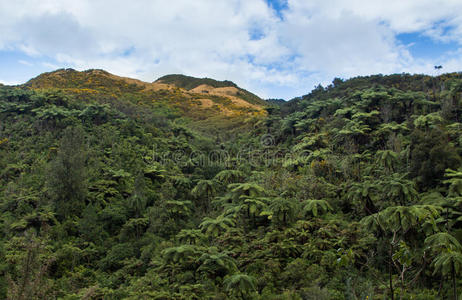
(206, 108)
(353, 191)
(189, 83)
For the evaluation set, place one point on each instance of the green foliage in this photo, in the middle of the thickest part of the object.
(108, 191)
(246, 189)
(181, 254)
(442, 240)
(240, 285)
(455, 182)
(188, 82)
(401, 218)
(398, 189)
(313, 206)
(430, 156)
(447, 262)
(29, 260)
(190, 236)
(213, 227)
(282, 210)
(67, 174)
(217, 264)
(229, 176)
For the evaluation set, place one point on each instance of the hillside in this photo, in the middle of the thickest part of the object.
(112, 188)
(188, 82)
(208, 85)
(227, 107)
(90, 79)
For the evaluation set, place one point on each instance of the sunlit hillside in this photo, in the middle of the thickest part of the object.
(201, 100)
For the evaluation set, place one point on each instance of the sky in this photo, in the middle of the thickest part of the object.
(274, 48)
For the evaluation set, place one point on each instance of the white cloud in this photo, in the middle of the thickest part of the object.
(25, 62)
(241, 40)
(7, 82)
(400, 16)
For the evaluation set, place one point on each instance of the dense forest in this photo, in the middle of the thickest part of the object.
(112, 188)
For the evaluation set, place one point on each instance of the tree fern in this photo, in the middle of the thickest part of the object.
(313, 206)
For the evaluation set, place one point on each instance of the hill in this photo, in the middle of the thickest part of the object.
(90, 79)
(208, 85)
(225, 106)
(188, 82)
(113, 189)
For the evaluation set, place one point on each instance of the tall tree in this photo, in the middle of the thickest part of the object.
(67, 179)
(241, 285)
(213, 227)
(205, 190)
(448, 257)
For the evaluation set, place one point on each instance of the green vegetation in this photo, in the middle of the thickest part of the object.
(188, 82)
(110, 189)
(219, 113)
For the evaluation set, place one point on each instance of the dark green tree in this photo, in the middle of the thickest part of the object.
(67, 178)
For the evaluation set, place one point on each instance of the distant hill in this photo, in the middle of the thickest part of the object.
(220, 103)
(89, 79)
(191, 83)
(277, 102)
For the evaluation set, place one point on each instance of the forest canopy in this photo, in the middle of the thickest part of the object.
(111, 190)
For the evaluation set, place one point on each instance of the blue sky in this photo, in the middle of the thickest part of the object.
(17, 67)
(279, 6)
(421, 46)
(275, 48)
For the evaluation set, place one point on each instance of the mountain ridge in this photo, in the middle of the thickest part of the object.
(197, 98)
(61, 77)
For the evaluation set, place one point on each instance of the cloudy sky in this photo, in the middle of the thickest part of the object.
(275, 48)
